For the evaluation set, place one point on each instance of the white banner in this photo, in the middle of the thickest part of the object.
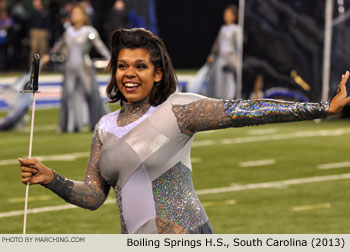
(216, 242)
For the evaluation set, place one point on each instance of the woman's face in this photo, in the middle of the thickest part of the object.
(135, 74)
(229, 16)
(78, 16)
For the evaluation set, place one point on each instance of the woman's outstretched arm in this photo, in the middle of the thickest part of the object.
(209, 114)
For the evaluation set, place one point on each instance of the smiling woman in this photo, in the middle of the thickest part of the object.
(137, 54)
(142, 151)
(135, 74)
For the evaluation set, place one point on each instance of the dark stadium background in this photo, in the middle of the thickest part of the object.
(281, 35)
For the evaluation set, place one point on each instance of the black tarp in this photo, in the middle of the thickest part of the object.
(280, 37)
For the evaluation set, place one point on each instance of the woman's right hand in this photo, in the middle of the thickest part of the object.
(34, 172)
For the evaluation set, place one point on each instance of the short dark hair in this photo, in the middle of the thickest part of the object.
(142, 38)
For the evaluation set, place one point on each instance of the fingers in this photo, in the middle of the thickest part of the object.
(28, 162)
(26, 174)
(25, 180)
(28, 180)
(28, 177)
(28, 170)
(345, 78)
(29, 165)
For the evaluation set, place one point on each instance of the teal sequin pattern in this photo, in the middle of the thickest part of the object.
(256, 112)
(176, 199)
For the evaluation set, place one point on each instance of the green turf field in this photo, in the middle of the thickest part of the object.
(264, 179)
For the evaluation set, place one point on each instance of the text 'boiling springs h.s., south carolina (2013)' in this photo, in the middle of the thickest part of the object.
(236, 242)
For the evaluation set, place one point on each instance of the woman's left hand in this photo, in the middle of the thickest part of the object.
(340, 99)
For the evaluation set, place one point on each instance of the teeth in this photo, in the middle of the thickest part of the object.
(131, 84)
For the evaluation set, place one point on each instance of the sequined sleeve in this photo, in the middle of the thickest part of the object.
(89, 194)
(209, 114)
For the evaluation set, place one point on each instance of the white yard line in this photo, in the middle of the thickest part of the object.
(274, 184)
(31, 198)
(257, 163)
(219, 203)
(334, 165)
(238, 140)
(206, 132)
(311, 207)
(253, 139)
(68, 157)
(185, 77)
(201, 192)
(63, 157)
(204, 143)
(41, 128)
(196, 160)
(45, 209)
(107, 202)
(255, 132)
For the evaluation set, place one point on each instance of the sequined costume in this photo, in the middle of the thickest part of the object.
(80, 87)
(146, 159)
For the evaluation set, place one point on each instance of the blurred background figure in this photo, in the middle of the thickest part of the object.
(18, 104)
(198, 84)
(86, 4)
(258, 87)
(18, 10)
(142, 13)
(81, 102)
(65, 14)
(116, 17)
(18, 45)
(223, 57)
(6, 24)
(112, 14)
(40, 25)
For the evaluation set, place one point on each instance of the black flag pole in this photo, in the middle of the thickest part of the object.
(31, 87)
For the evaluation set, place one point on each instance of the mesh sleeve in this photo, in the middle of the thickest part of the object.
(89, 194)
(210, 114)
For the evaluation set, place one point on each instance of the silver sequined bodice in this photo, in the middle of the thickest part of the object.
(148, 165)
